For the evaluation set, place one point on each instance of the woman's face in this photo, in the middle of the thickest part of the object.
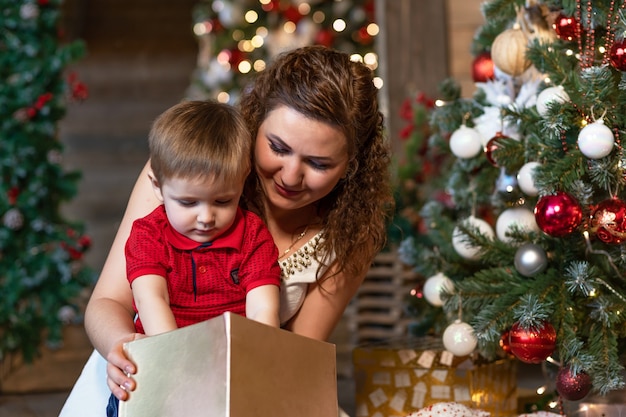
(298, 160)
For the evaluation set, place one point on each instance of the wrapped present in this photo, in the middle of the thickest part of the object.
(401, 376)
(230, 366)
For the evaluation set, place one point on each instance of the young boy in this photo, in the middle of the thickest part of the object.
(199, 254)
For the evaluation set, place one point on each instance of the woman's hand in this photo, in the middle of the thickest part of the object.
(120, 369)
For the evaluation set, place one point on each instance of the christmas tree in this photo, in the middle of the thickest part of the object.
(525, 253)
(40, 251)
(237, 38)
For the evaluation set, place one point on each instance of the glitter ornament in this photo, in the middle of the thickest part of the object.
(558, 215)
(566, 28)
(532, 345)
(465, 142)
(459, 338)
(608, 221)
(573, 387)
(434, 286)
(525, 179)
(519, 217)
(13, 219)
(548, 96)
(530, 260)
(464, 248)
(617, 55)
(483, 68)
(596, 140)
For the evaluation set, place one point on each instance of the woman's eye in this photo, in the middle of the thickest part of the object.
(318, 166)
(277, 148)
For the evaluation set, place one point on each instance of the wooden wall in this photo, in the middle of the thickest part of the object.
(423, 42)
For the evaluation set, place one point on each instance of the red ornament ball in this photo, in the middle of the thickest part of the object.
(558, 215)
(532, 345)
(492, 146)
(483, 69)
(608, 221)
(573, 387)
(617, 55)
(566, 28)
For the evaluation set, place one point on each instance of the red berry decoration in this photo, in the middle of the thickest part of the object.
(617, 55)
(608, 221)
(573, 387)
(558, 215)
(483, 69)
(532, 345)
(492, 146)
(566, 28)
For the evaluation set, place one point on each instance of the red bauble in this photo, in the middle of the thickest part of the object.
(532, 345)
(573, 387)
(324, 37)
(566, 28)
(617, 55)
(482, 68)
(492, 146)
(558, 215)
(608, 221)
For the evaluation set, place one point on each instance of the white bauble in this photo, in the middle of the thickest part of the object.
(556, 94)
(525, 179)
(459, 338)
(521, 217)
(434, 286)
(596, 140)
(465, 142)
(462, 247)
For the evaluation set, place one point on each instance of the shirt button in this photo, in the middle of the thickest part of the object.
(202, 269)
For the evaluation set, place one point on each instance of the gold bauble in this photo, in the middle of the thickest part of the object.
(508, 52)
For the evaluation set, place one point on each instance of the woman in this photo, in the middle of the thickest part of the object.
(321, 184)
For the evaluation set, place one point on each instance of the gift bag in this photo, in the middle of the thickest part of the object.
(231, 366)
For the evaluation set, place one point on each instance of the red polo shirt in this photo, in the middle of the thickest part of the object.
(203, 280)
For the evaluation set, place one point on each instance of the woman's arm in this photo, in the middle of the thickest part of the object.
(109, 314)
(324, 305)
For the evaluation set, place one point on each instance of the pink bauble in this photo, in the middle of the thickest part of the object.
(532, 345)
(558, 215)
(608, 221)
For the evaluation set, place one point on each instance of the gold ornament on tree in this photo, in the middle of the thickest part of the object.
(508, 50)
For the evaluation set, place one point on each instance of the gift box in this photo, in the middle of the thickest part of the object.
(231, 366)
(401, 376)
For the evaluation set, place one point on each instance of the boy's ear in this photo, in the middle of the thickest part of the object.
(156, 187)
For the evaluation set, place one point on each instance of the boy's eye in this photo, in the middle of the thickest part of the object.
(186, 203)
(223, 202)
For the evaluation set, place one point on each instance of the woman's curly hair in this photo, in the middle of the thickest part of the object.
(327, 86)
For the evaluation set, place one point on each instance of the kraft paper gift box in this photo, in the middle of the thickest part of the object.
(400, 376)
(231, 366)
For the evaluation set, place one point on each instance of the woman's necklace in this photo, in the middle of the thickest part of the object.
(299, 238)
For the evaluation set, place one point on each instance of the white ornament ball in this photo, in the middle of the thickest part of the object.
(434, 286)
(525, 179)
(466, 142)
(459, 239)
(596, 140)
(521, 217)
(549, 95)
(459, 338)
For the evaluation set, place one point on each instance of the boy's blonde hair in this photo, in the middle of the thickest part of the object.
(200, 139)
